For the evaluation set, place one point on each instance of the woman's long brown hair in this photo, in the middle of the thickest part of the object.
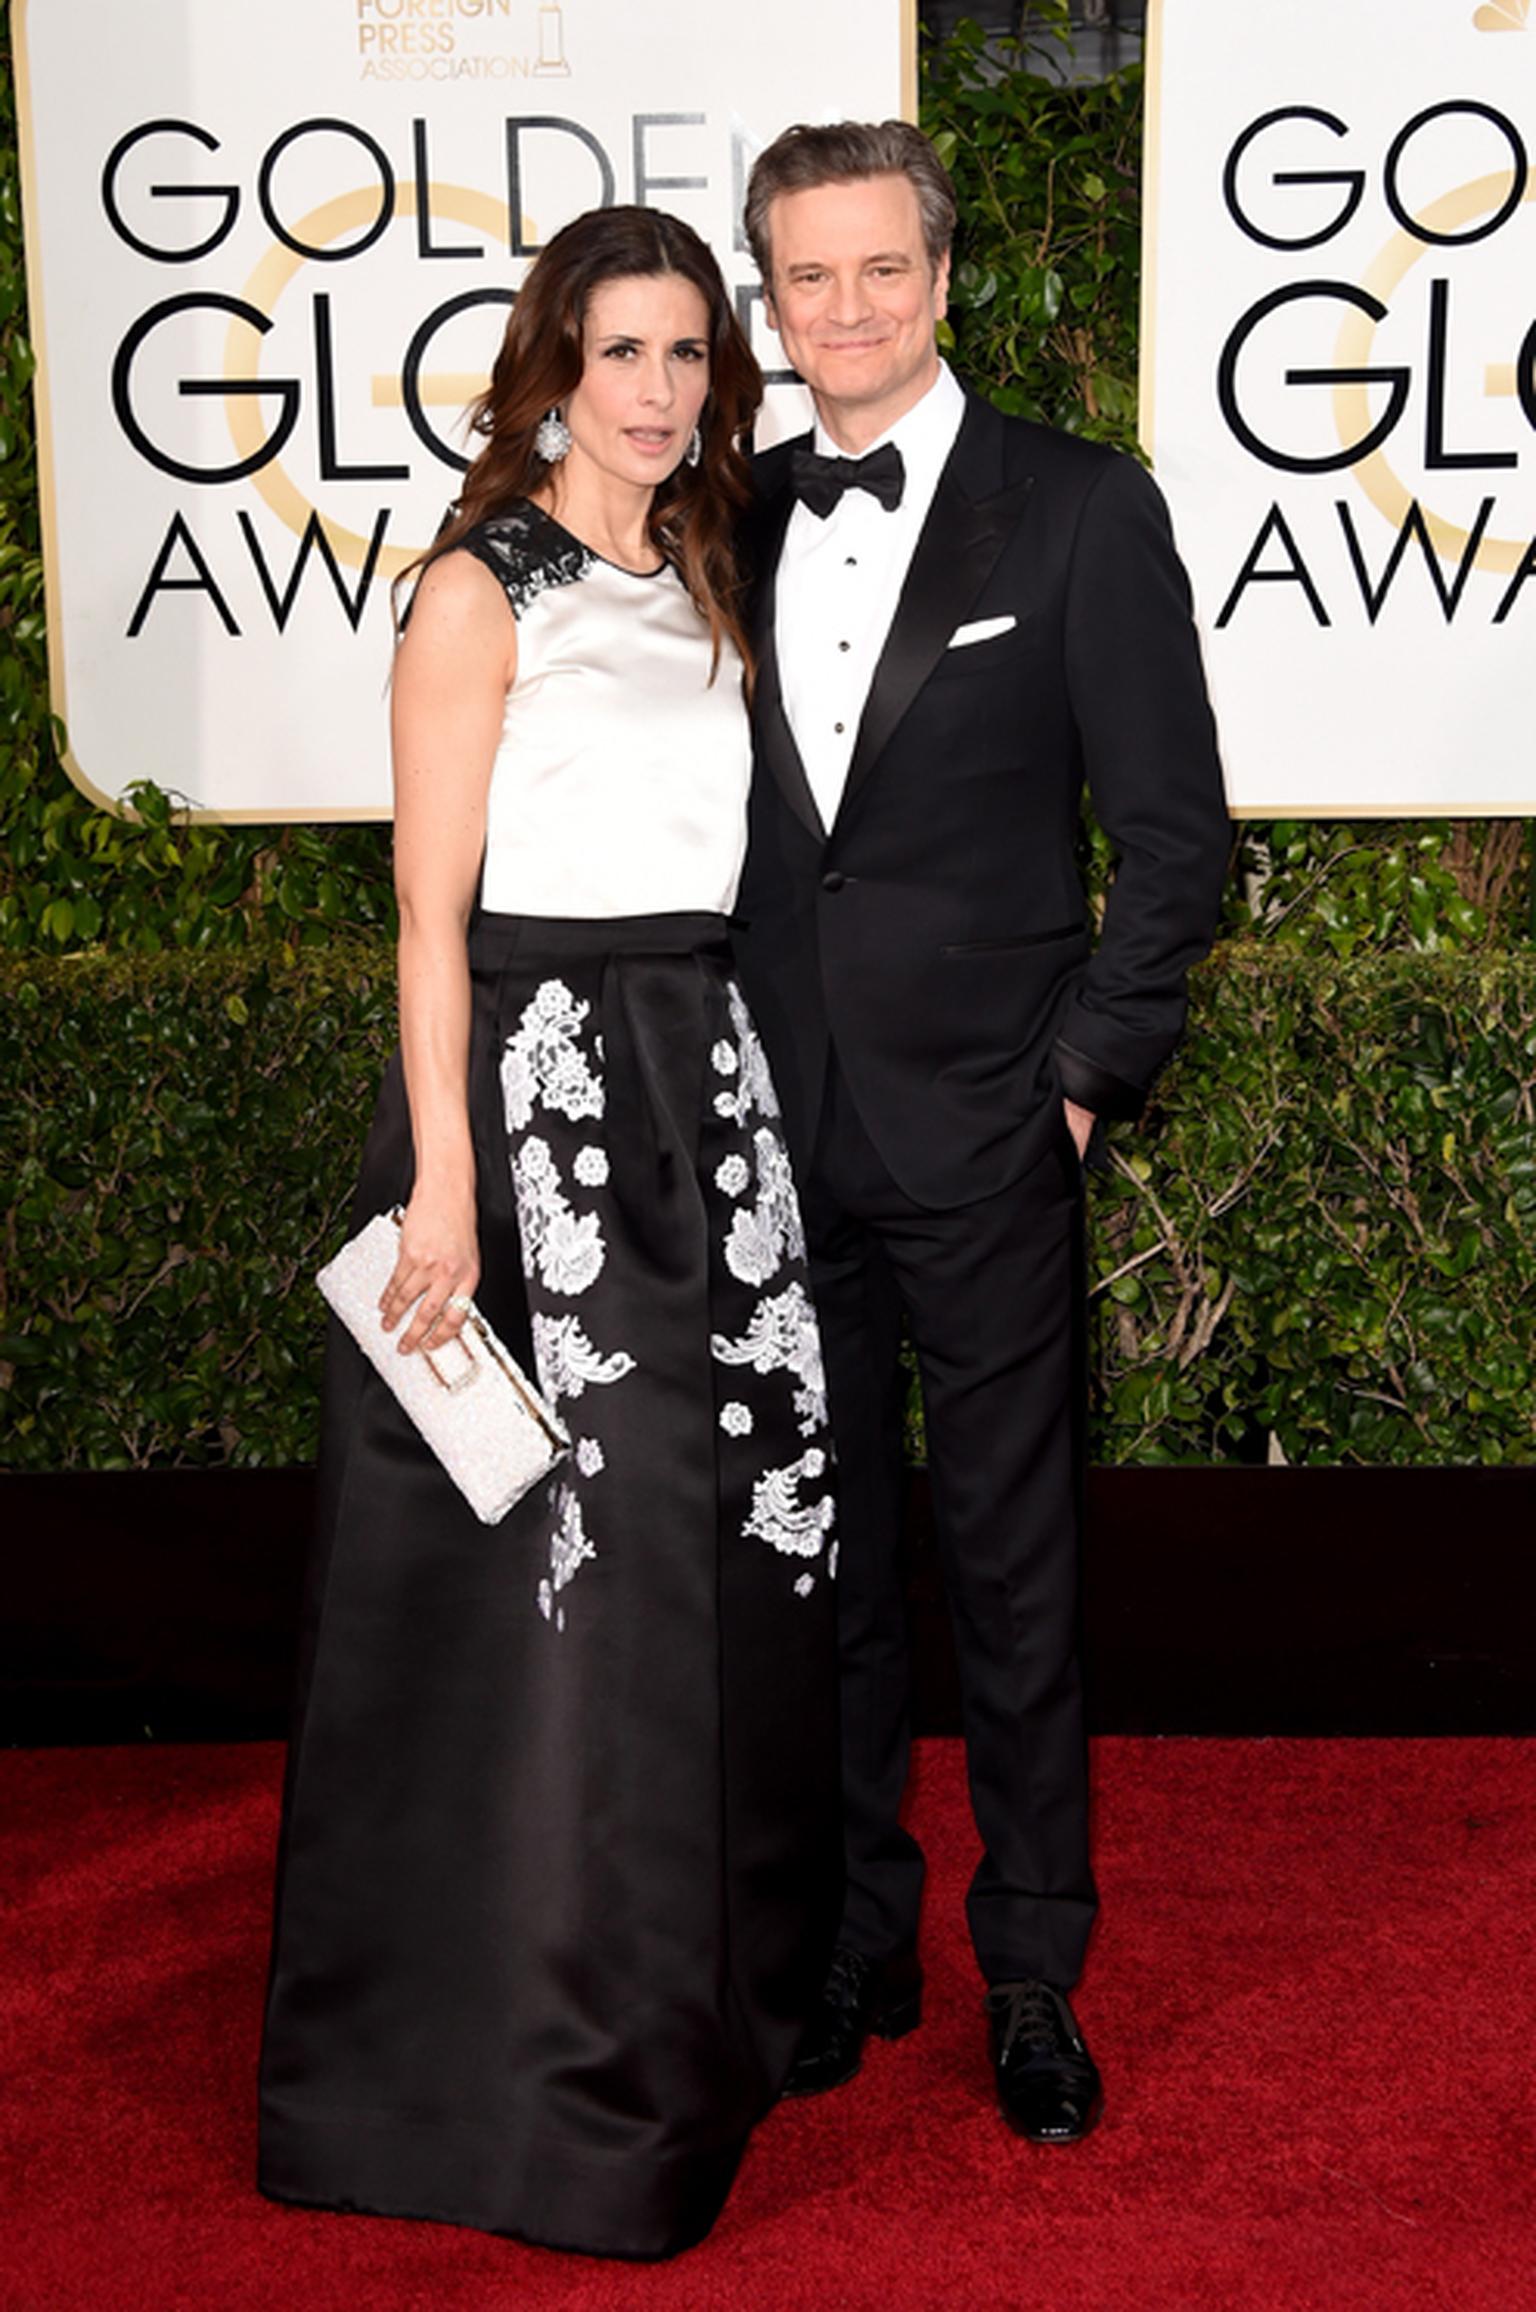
(696, 509)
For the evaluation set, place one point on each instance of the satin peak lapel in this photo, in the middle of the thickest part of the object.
(775, 740)
(955, 555)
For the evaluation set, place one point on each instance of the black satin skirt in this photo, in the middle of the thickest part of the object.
(561, 1866)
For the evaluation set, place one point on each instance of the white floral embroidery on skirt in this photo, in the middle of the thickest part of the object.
(553, 1094)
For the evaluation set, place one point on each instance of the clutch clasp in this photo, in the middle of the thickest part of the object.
(468, 1374)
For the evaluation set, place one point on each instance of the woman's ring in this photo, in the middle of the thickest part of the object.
(459, 1300)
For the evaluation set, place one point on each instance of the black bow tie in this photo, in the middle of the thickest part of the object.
(819, 482)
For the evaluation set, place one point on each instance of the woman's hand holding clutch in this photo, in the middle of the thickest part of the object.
(438, 1268)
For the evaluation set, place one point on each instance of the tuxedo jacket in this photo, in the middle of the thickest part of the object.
(935, 935)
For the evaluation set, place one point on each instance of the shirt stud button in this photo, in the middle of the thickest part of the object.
(839, 728)
(845, 646)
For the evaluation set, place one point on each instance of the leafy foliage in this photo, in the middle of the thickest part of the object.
(1043, 298)
(1323, 1243)
(185, 1130)
(1322, 1247)
(1363, 886)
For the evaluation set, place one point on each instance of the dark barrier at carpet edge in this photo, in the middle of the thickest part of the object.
(163, 1603)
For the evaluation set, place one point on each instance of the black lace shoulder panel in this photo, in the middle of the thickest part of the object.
(528, 553)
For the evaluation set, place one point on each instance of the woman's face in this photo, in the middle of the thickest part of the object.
(646, 339)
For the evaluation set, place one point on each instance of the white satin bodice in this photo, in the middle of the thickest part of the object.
(620, 781)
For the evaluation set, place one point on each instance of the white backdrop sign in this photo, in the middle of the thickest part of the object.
(1339, 390)
(272, 250)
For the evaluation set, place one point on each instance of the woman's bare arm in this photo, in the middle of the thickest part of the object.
(453, 669)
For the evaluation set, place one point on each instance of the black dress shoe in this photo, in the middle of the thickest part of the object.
(1047, 2082)
(860, 1996)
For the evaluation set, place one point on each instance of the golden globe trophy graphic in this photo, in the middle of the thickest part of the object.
(1502, 16)
(552, 63)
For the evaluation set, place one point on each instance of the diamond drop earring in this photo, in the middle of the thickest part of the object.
(552, 438)
(695, 449)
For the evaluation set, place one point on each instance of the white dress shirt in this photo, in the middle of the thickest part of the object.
(838, 585)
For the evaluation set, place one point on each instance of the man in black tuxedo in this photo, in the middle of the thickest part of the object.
(960, 616)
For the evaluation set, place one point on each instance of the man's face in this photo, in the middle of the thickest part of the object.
(855, 300)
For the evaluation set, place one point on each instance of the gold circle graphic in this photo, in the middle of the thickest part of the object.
(1351, 404)
(242, 346)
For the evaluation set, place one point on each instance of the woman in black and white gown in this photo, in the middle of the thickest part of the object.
(561, 1852)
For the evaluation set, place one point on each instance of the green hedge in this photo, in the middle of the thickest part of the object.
(186, 1129)
(1322, 1247)
(1323, 1244)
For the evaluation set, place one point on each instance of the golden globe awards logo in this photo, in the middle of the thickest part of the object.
(293, 415)
(455, 40)
(293, 328)
(1293, 183)
(1339, 389)
(268, 280)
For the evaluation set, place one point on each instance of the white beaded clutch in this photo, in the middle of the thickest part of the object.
(469, 1397)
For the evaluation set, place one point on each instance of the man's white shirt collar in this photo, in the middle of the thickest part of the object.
(924, 434)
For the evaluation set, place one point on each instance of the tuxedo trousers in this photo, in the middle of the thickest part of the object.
(993, 1297)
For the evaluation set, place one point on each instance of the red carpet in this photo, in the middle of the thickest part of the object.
(1313, 1995)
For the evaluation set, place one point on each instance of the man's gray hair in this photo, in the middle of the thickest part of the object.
(847, 152)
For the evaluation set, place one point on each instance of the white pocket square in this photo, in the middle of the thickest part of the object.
(981, 630)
